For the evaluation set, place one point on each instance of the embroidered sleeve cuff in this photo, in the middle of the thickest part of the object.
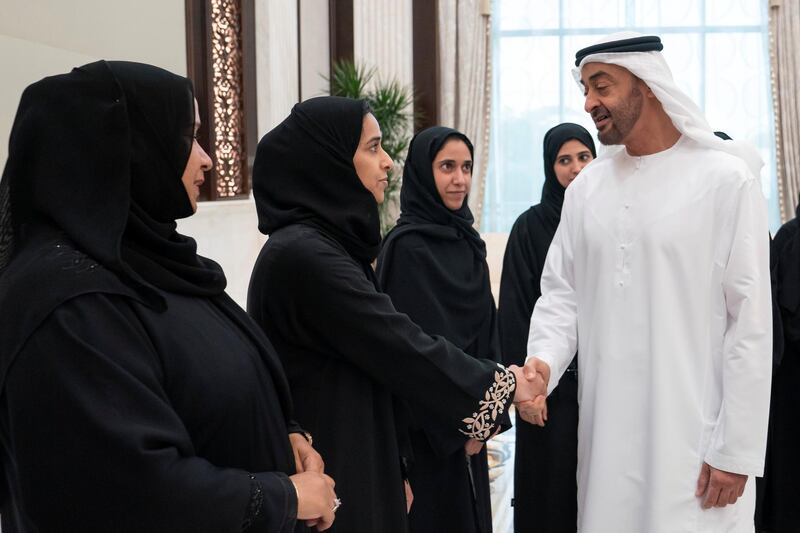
(273, 500)
(482, 423)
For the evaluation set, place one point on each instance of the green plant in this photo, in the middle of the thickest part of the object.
(392, 105)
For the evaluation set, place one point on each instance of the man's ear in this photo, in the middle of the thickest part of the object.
(645, 89)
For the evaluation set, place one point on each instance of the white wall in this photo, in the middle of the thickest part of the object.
(39, 38)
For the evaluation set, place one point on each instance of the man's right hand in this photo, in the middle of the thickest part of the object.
(316, 499)
(531, 395)
(531, 380)
(529, 386)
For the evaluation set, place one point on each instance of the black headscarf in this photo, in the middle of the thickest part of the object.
(96, 158)
(554, 139)
(304, 173)
(420, 202)
(458, 273)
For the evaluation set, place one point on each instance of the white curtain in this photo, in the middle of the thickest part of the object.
(784, 26)
(465, 81)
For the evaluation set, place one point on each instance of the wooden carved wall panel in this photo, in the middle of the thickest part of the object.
(220, 47)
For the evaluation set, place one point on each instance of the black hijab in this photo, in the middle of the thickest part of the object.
(304, 173)
(554, 139)
(456, 270)
(97, 156)
(420, 203)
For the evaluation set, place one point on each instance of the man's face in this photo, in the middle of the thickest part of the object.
(613, 99)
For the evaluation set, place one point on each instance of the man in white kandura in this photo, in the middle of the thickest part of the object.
(658, 276)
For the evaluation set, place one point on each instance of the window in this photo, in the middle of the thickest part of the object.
(717, 50)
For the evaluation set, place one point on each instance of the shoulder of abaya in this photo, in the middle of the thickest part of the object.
(298, 246)
(785, 234)
(45, 277)
(407, 237)
(422, 234)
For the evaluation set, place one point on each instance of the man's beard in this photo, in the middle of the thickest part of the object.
(623, 118)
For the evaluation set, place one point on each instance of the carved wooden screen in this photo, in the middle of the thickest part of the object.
(220, 46)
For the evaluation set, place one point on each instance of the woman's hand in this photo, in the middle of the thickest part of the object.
(473, 446)
(535, 411)
(316, 499)
(306, 458)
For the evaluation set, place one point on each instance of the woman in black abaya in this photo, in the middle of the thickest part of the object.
(136, 395)
(433, 265)
(349, 354)
(545, 487)
(776, 508)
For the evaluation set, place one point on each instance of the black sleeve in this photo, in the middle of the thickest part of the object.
(340, 309)
(97, 446)
(409, 292)
(519, 290)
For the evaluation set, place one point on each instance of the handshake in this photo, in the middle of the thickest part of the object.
(530, 398)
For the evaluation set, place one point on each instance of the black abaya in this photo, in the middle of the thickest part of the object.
(545, 463)
(777, 510)
(433, 266)
(349, 355)
(136, 396)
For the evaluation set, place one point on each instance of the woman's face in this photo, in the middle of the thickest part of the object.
(371, 162)
(452, 172)
(196, 166)
(572, 157)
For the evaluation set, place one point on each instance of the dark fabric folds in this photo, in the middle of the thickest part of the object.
(776, 492)
(457, 277)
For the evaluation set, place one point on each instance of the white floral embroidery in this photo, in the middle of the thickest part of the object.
(481, 424)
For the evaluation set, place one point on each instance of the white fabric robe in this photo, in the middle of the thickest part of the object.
(658, 276)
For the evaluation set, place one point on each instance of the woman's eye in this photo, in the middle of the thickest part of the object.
(564, 161)
(447, 166)
(585, 157)
(468, 168)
